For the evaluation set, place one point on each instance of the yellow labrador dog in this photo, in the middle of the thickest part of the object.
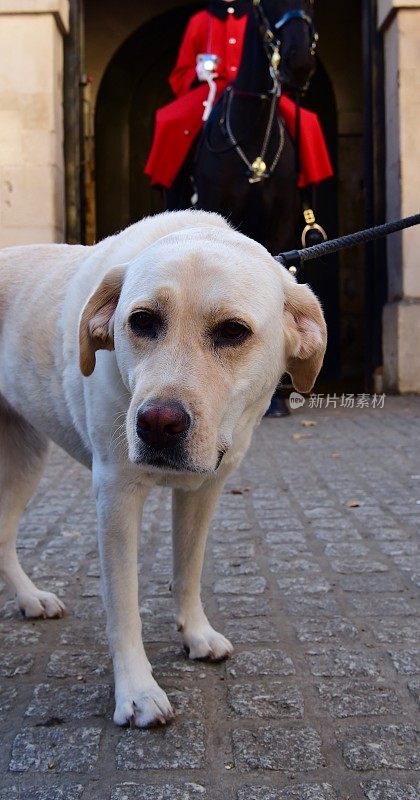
(181, 326)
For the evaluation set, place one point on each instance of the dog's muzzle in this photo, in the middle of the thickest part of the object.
(162, 425)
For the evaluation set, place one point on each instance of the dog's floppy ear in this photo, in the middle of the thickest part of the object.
(305, 334)
(96, 326)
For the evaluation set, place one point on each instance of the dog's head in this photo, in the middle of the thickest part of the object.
(203, 323)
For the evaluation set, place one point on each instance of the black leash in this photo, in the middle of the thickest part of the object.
(294, 259)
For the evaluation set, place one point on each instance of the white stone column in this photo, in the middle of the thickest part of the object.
(31, 121)
(399, 21)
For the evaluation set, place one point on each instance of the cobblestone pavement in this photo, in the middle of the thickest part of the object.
(312, 571)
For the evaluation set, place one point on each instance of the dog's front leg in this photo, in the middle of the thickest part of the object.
(192, 512)
(138, 697)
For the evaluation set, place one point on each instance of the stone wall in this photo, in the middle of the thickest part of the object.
(400, 24)
(31, 121)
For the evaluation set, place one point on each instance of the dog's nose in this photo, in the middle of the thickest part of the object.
(162, 424)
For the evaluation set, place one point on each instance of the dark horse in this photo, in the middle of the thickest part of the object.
(245, 133)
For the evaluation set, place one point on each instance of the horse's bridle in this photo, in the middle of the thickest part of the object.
(272, 43)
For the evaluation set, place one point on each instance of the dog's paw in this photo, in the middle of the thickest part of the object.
(143, 707)
(206, 644)
(40, 604)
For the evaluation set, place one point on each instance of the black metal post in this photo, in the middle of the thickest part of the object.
(73, 125)
(374, 184)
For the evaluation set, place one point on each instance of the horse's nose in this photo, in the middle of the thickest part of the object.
(162, 424)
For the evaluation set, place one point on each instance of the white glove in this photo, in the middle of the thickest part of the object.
(202, 73)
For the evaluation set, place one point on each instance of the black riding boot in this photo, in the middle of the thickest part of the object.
(278, 407)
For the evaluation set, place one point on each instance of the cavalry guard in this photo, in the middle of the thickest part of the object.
(208, 61)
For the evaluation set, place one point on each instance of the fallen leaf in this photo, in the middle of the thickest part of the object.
(298, 436)
(335, 455)
(71, 534)
(352, 503)
(308, 423)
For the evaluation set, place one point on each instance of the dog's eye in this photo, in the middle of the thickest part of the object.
(230, 332)
(145, 323)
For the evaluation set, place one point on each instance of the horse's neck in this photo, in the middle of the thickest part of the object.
(253, 73)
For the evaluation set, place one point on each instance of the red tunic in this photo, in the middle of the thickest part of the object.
(179, 122)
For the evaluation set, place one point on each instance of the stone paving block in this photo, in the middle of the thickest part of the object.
(396, 630)
(177, 746)
(399, 548)
(358, 698)
(380, 606)
(260, 662)
(159, 632)
(254, 606)
(247, 584)
(286, 537)
(67, 791)
(293, 565)
(63, 664)
(345, 549)
(68, 702)
(303, 791)
(388, 790)
(272, 701)
(12, 664)
(236, 566)
(233, 525)
(321, 605)
(414, 689)
(408, 563)
(9, 609)
(88, 609)
(159, 608)
(381, 747)
(91, 588)
(375, 583)
(322, 630)
(303, 584)
(133, 791)
(284, 551)
(188, 701)
(335, 662)
(57, 748)
(8, 695)
(283, 749)
(91, 636)
(352, 566)
(337, 535)
(385, 534)
(58, 565)
(173, 662)
(248, 630)
(406, 662)
(335, 523)
(234, 550)
(19, 633)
